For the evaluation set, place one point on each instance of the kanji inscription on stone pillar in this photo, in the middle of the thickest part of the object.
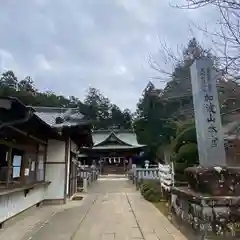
(207, 114)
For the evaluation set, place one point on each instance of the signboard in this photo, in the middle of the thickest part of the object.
(207, 114)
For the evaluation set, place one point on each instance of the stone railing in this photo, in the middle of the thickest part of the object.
(143, 173)
(85, 178)
(162, 173)
(140, 174)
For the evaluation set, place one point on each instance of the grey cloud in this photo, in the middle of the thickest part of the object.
(69, 45)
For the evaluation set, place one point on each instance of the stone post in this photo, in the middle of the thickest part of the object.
(207, 114)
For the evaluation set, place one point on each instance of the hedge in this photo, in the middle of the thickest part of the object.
(151, 191)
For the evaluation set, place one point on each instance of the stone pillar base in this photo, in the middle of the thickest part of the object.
(210, 205)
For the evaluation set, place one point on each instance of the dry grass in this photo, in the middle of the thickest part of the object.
(163, 207)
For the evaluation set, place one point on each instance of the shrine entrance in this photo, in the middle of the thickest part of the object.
(113, 150)
(113, 165)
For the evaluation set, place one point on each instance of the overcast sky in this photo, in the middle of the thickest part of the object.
(69, 45)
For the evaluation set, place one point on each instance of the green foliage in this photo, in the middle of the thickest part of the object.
(151, 191)
(104, 113)
(182, 125)
(151, 125)
(186, 136)
(95, 107)
(187, 156)
(187, 153)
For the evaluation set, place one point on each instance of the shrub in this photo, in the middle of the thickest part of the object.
(186, 136)
(187, 156)
(151, 191)
(188, 153)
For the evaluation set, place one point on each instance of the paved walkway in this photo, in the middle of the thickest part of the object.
(112, 210)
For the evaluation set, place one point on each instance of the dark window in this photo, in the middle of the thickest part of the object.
(3, 163)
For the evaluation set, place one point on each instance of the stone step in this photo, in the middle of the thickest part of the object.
(113, 176)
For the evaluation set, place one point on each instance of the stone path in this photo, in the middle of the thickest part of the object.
(112, 210)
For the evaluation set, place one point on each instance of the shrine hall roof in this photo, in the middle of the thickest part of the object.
(125, 139)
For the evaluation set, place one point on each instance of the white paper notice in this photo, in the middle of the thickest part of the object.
(33, 166)
(40, 162)
(26, 172)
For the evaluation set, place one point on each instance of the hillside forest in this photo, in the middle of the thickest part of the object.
(162, 116)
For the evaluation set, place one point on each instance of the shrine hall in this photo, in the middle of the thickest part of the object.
(114, 151)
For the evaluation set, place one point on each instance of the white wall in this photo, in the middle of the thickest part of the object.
(55, 169)
(15, 203)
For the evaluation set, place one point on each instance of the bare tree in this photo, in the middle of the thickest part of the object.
(169, 61)
(226, 38)
(174, 69)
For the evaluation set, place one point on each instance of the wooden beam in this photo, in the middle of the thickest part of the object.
(24, 147)
(28, 135)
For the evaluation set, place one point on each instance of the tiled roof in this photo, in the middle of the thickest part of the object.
(231, 127)
(128, 137)
(232, 130)
(99, 137)
(67, 116)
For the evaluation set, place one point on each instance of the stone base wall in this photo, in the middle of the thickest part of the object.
(207, 215)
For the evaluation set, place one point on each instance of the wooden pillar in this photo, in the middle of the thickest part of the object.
(44, 161)
(9, 169)
(24, 164)
(67, 151)
(36, 163)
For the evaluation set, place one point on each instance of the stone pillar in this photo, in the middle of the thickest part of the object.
(129, 163)
(207, 114)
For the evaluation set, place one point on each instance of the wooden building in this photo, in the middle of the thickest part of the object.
(62, 158)
(114, 150)
(37, 157)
